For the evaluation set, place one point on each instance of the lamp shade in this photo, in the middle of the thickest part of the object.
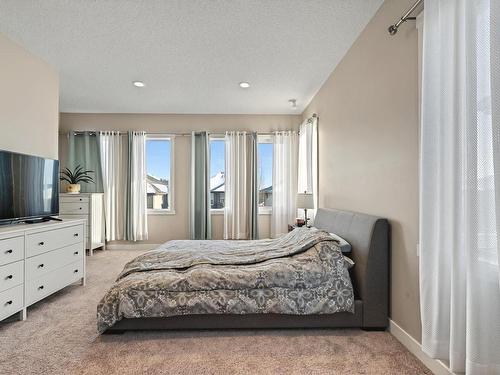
(305, 200)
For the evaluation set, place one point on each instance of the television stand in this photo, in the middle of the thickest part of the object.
(58, 245)
(42, 220)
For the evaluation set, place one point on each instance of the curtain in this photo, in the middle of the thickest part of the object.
(200, 224)
(308, 161)
(114, 173)
(83, 149)
(241, 191)
(460, 185)
(136, 207)
(285, 172)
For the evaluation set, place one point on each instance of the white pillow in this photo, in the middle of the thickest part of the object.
(349, 262)
(345, 246)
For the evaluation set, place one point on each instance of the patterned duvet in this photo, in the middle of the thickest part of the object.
(303, 272)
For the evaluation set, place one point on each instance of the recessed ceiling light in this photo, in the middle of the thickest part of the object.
(244, 85)
(138, 84)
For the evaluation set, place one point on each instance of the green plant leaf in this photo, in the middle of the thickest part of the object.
(78, 175)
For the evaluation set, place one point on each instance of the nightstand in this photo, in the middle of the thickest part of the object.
(293, 226)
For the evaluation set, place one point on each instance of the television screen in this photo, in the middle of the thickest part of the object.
(29, 187)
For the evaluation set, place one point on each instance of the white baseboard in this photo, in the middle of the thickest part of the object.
(435, 365)
(131, 246)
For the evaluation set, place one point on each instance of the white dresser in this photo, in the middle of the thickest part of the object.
(37, 260)
(88, 206)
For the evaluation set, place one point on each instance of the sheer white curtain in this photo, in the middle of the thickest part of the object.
(308, 161)
(114, 178)
(240, 206)
(285, 171)
(136, 218)
(460, 185)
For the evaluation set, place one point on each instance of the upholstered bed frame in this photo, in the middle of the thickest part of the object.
(369, 237)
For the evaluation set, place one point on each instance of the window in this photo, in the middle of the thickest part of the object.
(159, 187)
(217, 172)
(265, 172)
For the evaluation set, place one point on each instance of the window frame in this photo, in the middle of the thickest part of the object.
(269, 139)
(217, 137)
(171, 209)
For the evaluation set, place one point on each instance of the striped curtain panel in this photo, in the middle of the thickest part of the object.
(200, 220)
(285, 168)
(308, 161)
(241, 195)
(136, 221)
(114, 173)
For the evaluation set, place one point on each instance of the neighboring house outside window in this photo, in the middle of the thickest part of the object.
(217, 172)
(266, 197)
(217, 191)
(157, 191)
(159, 167)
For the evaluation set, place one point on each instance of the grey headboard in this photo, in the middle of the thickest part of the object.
(369, 237)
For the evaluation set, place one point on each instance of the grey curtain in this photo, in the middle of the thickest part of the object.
(200, 221)
(83, 149)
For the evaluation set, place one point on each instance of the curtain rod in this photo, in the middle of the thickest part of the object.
(393, 29)
(124, 133)
(94, 132)
(310, 119)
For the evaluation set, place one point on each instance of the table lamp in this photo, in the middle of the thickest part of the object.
(305, 200)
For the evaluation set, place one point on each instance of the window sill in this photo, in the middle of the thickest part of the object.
(265, 211)
(161, 212)
(217, 211)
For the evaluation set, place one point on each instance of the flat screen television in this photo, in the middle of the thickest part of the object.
(29, 187)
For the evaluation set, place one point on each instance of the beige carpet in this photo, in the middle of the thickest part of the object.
(60, 337)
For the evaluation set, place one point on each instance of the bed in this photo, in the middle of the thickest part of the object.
(301, 282)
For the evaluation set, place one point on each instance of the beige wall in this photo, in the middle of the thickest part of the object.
(368, 144)
(166, 227)
(29, 102)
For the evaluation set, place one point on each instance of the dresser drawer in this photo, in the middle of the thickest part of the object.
(51, 282)
(11, 250)
(63, 215)
(48, 262)
(11, 275)
(42, 242)
(73, 199)
(66, 208)
(11, 301)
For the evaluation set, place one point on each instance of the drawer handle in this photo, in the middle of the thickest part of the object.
(8, 303)
(75, 235)
(41, 243)
(8, 251)
(40, 287)
(40, 265)
(75, 271)
(80, 208)
(75, 253)
(8, 277)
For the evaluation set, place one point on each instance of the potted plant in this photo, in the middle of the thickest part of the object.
(73, 178)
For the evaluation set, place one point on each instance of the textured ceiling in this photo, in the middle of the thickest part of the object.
(190, 53)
